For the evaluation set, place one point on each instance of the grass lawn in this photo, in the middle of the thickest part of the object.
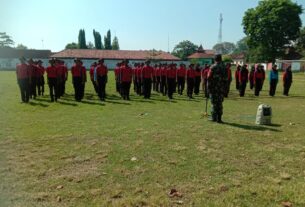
(132, 153)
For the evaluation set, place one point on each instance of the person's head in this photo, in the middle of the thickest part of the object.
(274, 67)
(191, 66)
(101, 61)
(218, 58)
(147, 62)
(238, 67)
(39, 62)
(31, 61)
(289, 68)
(22, 60)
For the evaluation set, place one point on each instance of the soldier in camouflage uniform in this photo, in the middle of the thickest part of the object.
(217, 81)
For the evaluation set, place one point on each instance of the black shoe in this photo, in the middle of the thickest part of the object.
(219, 120)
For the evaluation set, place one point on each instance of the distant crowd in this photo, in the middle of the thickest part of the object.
(165, 79)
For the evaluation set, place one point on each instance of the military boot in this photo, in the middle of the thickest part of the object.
(219, 120)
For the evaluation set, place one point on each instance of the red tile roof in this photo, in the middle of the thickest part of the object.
(115, 54)
(18, 53)
(238, 56)
(199, 55)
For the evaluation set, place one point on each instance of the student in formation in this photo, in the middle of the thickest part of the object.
(204, 76)
(147, 75)
(163, 84)
(258, 79)
(171, 80)
(126, 79)
(91, 72)
(237, 77)
(229, 75)
(181, 75)
(190, 77)
(40, 78)
(52, 72)
(79, 79)
(197, 79)
(251, 77)
(101, 78)
(287, 80)
(23, 79)
(273, 80)
(243, 80)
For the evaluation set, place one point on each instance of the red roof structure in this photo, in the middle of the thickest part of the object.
(18, 53)
(116, 54)
(202, 54)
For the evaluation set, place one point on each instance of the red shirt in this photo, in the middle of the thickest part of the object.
(117, 72)
(190, 73)
(78, 71)
(91, 72)
(60, 71)
(158, 72)
(41, 70)
(22, 71)
(259, 75)
(243, 75)
(126, 74)
(51, 72)
(164, 72)
(147, 72)
(171, 73)
(237, 74)
(198, 73)
(101, 70)
(229, 73)
(181, 72)
(205, 73)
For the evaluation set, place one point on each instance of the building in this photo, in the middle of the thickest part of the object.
(9, 57)
(112, 57)
(238, 59)
(202, 56)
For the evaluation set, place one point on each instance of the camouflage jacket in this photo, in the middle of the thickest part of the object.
(217, 79)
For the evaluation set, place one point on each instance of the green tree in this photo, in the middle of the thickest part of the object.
(115, 44)
(5, 40)
(21, 47)
(72, 45)
(90, 45)
(272, 26)
(227, 59)
(107, 41)
(97, 40)
(300, 42)
(184, 49)
(242, 46)
(82, 39)
(224, 48)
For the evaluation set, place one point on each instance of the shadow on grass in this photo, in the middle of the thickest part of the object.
(38, 104)
(253, 127)
(116, 102)
(66, 103)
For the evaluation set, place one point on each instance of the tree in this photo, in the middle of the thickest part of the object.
(90, 45)
(272, 26)
(97, 40)
(184, 49)
(224, 48)
(115, 44)
(21, 47)
(72, 45)
(242, 46)
(107, 41)
(300, 42)
(5, 40)
(227, 59)
(82, 39)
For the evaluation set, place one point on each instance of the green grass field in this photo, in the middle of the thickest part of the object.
(131, 153)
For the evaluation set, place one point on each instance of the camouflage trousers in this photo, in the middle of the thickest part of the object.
(216, 101)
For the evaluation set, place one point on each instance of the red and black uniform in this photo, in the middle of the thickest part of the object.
(243, 80)
(258, 80)
(197, 80)
(204, 75)
(154, 78)
(171, 81)
(139, 80)
(251, 78)
(79, 79)
(126, 79)
(190, 77)
(102, 78)
(52, 74)
(117, 78)
(237, 77)
(158, 78)
(135, 78)
(147, 74)
(40, 80)
(64, 78)
(287, 80)
(23, 79)
(181, 74)
(34, 71)
(229, 75)
(91, 72)
(163, 84)
(60, 79)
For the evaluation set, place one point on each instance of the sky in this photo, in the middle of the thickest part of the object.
(138, 24)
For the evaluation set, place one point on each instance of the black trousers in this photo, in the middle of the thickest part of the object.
(181, 84)
(94, 86)
(158, 80)
(53, 86)
(154, 83)
(146, 87)
(139, 87)
(125, 90)
(61, 87)
(135, 85)
(40, 85)
(287, 86)
(205, 86)
(251, 82)
(273, 84)
(258, 86)
(237, 84)
(227, 89)
(163, 85)
(33, 87)
(190, 87)
(79, 88)
(197, 85)
(102, 87)
(242, 88)
(24, 86)
(171, 85)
